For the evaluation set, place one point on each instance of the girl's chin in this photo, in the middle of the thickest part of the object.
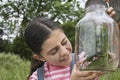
(67, 62)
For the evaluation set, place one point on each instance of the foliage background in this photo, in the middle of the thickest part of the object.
(16, 14)
(14, 17)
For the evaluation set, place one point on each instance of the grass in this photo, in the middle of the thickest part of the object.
(112, 76)
(12, 67)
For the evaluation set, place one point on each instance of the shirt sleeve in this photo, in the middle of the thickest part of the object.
(34, 76)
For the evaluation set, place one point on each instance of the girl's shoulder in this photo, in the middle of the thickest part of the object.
(33, 76)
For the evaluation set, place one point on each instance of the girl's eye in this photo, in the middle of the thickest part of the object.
(53, 52)
(64, 43)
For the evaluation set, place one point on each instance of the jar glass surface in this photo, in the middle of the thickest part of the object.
(96, 42)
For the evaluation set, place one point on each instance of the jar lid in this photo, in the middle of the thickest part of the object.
(93, 2)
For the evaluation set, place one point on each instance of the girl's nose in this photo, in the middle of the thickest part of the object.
(63, 51)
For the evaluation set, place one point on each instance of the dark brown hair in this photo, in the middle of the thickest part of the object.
(37, 31)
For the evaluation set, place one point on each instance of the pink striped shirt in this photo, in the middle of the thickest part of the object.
(53, 73)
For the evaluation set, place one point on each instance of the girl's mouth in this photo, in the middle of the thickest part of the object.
(62, 60)
(65, 58)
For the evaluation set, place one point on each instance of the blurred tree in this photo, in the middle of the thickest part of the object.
(19, 47)
(116, 5)
(16, 14)
(3, 43)
(69, 29)
(1, 33)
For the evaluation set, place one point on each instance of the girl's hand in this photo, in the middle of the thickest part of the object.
(106, 0)
(84, 75)
(110, 10)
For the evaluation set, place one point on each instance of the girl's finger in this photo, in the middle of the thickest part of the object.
(92, 76)
(112, 13)
(109, 10)
(106, 0)
(81, 73)
(84, 73)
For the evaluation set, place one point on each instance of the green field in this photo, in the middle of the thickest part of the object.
(112, 76)
(12, 67)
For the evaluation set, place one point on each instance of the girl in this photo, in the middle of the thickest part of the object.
(52, 53)
(53, 50)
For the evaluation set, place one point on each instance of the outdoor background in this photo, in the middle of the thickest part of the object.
(15, 55)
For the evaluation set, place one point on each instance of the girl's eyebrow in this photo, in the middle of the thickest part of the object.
(56, 47)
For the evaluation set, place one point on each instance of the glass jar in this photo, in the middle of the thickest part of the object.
(96, 39)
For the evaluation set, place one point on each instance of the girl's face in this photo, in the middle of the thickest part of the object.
(56, 49)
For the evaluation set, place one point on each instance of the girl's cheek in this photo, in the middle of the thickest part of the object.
(55, 59)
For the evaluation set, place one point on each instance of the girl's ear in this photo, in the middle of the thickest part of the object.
(37, 57)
